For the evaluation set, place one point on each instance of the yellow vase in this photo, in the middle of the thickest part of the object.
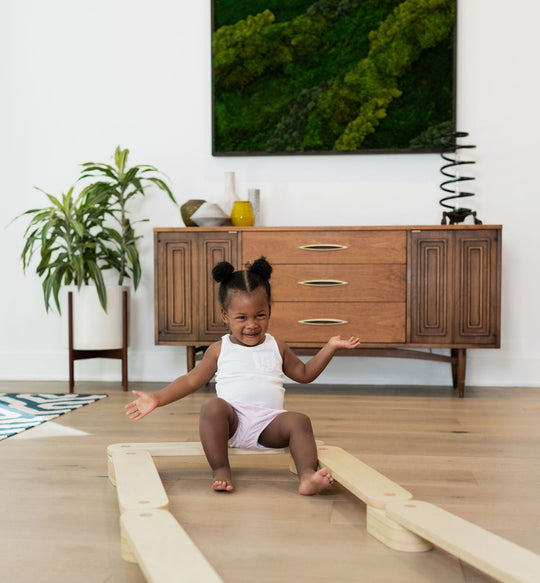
(242, 214)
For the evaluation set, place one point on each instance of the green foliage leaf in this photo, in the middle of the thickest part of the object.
(120, 159)
(97, 277)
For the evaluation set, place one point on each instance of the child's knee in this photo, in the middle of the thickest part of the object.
(301, 421)
(215, 408)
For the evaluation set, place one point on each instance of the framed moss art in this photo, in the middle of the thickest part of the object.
(332, 76)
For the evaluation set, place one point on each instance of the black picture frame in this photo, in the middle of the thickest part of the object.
(332, 76)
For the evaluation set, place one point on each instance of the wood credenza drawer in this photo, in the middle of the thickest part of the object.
(316, 322)
(326, 246)
(339, 283)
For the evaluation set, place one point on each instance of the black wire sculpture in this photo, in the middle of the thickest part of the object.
(457, 214)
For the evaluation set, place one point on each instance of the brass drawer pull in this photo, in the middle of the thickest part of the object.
(323, 282)
(323, 247)
(323, 322)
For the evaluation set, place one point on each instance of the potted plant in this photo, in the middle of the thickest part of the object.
(80, 236)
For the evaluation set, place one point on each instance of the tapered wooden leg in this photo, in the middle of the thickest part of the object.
(70, 340)
(453, 354)
(190, 357)
(461, 368)
(125, 339)
(459, 365)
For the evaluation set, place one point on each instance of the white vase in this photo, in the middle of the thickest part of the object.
(229, 194)
(93, 328)
(254, 197)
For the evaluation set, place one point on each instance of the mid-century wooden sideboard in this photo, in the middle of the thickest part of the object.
(401, 289)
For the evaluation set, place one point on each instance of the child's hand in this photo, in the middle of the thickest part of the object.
(145, 404)
(337, 342)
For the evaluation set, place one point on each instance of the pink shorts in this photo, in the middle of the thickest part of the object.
(252, 421)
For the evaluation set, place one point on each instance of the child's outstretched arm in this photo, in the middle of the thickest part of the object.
(302, 372)
(178, 389)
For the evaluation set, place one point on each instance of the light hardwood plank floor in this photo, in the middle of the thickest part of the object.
(477, 457)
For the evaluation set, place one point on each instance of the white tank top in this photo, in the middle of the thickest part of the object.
(251, 375)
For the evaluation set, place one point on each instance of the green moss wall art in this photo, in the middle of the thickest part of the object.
(332, 76)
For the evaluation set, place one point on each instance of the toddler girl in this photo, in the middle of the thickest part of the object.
(249, 366)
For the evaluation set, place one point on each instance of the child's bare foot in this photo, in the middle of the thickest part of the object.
(223, 480)
(316, 482)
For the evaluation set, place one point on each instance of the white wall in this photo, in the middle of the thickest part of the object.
(80, 78)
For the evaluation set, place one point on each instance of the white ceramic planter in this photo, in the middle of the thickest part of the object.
(93, 328)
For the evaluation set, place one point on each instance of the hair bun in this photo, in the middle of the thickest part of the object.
(222, 271)
(261, 267)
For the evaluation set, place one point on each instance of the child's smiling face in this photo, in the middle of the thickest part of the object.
(247, 316)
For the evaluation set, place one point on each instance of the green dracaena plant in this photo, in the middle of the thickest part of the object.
(80, 236)
(68, 234)
(118, 185)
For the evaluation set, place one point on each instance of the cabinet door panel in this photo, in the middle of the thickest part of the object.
(175, 318)
(211, 250)
(431, 287)
(370, 321)
(476, 273)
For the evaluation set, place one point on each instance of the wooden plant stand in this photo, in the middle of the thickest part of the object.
(119, 353)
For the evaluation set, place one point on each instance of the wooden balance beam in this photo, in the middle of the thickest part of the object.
(411, 525)
(163, 550)
(377, 491)
(501, 559)
(360, 479)
(393, 517)
(138, 484)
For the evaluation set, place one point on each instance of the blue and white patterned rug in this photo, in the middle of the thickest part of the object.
(21, 411)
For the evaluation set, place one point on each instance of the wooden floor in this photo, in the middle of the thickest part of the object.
(477, 457)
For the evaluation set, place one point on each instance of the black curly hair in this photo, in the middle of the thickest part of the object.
(256, 274)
